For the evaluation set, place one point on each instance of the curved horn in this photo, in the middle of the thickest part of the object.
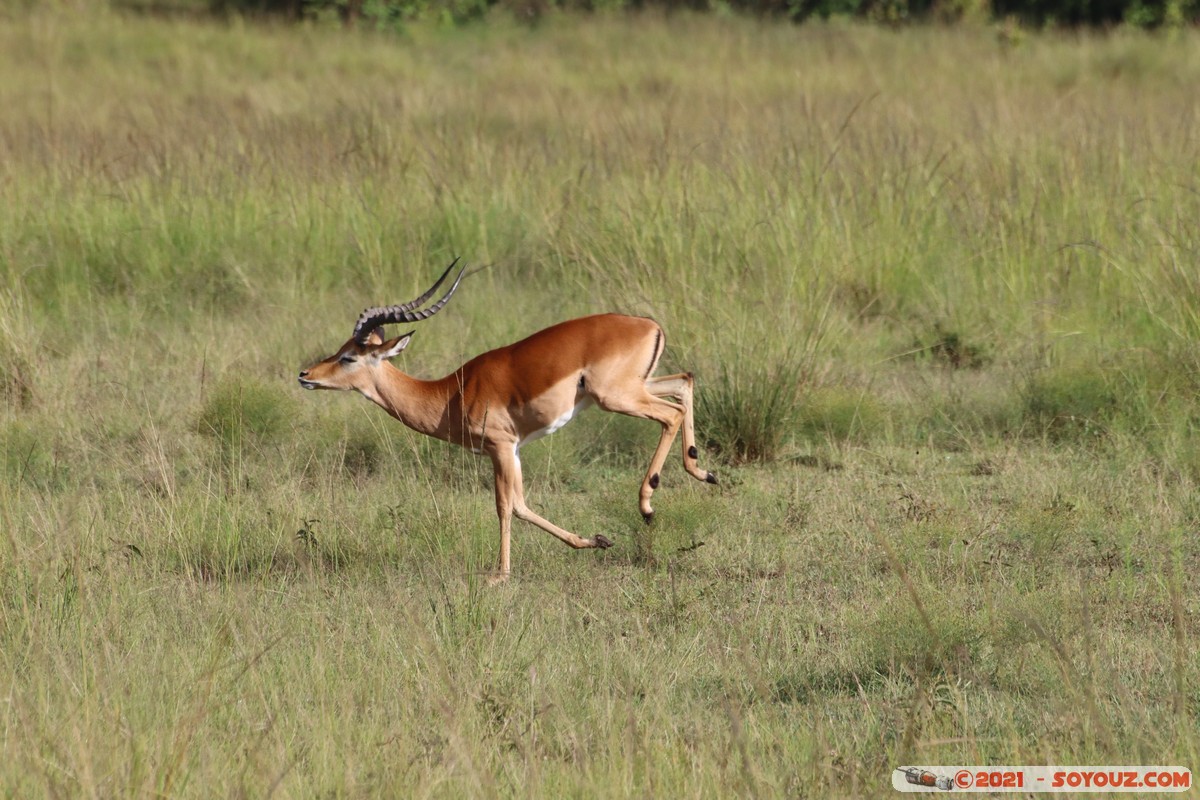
(428, 294)
(372, 318)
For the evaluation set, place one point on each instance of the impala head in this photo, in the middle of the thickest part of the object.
(363, 353)
(351, 366)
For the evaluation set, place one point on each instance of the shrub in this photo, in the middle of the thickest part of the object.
(27, 455)
(749, 407)
(16, 386)
(951, 349)
(386, 13)
(240, 410)
(840, 413)
(1069, 403)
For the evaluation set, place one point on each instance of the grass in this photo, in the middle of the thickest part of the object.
(938, 290)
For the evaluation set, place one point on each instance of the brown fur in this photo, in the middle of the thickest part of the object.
(497, 400)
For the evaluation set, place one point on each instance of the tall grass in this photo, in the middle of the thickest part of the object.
(949, 269)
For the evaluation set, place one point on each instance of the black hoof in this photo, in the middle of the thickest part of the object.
(648, 517)
(710, 478)
(602, 542)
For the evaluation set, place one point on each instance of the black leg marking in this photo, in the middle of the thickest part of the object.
(710, 478)
(654, 481)
(692, 452)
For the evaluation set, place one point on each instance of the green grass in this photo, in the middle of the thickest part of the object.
(938, 289)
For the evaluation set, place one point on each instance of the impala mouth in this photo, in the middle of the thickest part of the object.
(307, 384)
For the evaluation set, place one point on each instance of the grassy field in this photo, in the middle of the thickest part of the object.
(940, 289)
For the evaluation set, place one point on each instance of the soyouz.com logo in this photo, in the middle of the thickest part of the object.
(1042, 779)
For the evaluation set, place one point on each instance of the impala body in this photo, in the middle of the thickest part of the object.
(512, 395)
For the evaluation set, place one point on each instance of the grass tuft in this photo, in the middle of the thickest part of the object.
(840, 414)
(749, 406)
(1073, 403)
(16, 380)
(242, 411)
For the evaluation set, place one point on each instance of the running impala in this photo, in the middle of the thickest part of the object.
(510, 396)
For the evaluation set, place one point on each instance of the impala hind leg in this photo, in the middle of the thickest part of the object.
(639, 402)
(510, 499)
(681, 386)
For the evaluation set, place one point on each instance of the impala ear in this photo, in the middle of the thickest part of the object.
(393, 348)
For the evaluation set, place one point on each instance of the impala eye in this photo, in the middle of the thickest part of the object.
(347, 360)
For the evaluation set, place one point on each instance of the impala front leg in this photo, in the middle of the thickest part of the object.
(507, 465)
(504, 510)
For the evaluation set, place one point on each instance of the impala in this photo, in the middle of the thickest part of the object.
(505, 398)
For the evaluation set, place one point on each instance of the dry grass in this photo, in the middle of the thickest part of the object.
(954, 267)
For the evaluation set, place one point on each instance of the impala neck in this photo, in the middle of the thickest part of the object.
(421, 405)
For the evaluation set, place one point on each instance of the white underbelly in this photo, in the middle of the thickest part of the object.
(556, 424)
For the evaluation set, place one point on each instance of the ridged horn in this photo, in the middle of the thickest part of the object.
(372, 318)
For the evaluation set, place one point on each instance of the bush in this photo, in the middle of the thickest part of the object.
(749, 408)
(16, 386)
(834, 413)
(241, 410)
(27, 456)
(382, 13)
(1070, 403)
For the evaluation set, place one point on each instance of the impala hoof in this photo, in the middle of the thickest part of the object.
(602, 542)
(710, 478)
(648, 518)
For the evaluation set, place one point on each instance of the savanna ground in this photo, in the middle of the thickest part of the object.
(940, 291)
